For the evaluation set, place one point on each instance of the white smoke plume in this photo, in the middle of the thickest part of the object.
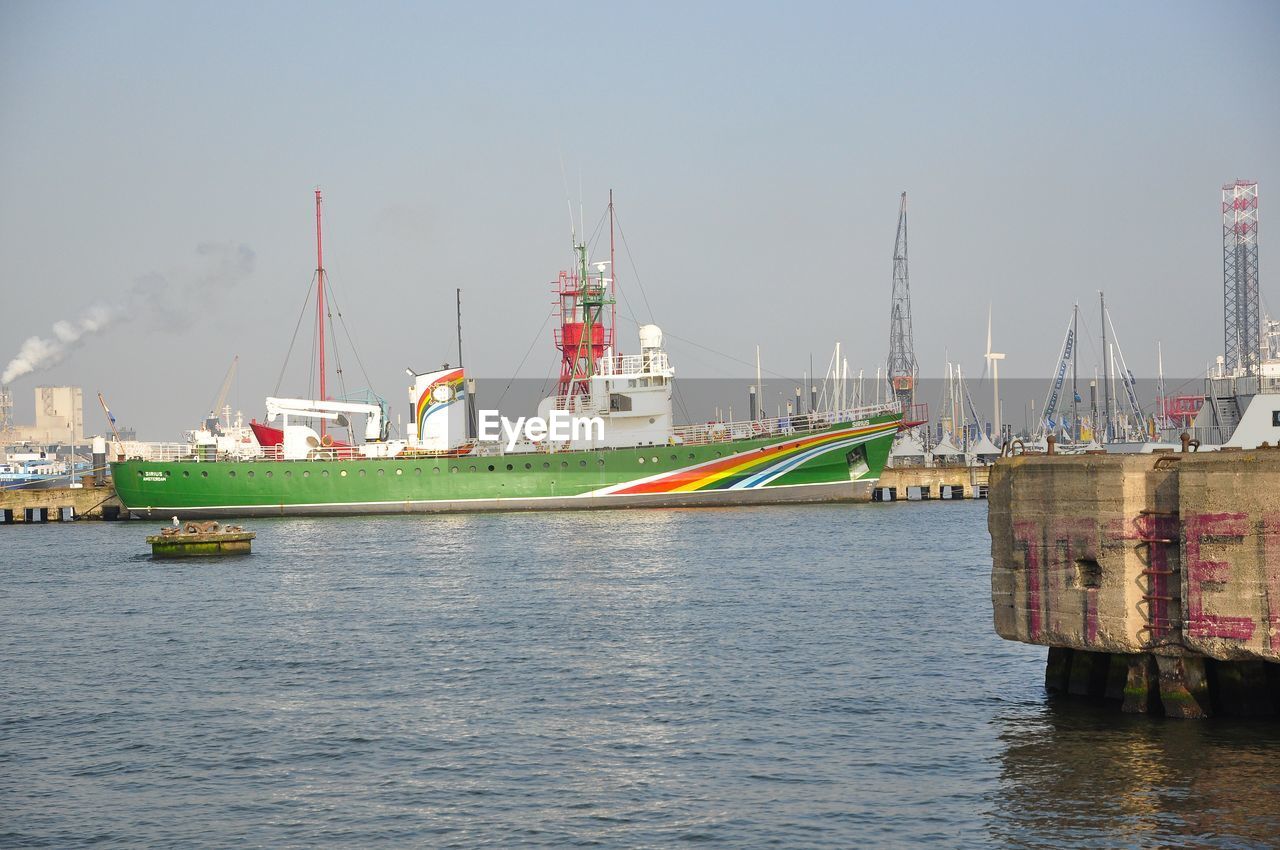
(175, 298)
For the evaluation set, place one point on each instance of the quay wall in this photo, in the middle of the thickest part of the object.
(1123, 561)
(47, 505)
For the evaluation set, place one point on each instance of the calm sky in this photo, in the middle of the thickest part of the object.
(157, 162)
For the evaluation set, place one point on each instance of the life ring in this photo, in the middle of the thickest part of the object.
(326, 441)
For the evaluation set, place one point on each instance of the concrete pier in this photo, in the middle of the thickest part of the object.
(57, 504)
(1154, 579)
(911, 483)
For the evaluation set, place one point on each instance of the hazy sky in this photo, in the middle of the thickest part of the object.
(756, 152)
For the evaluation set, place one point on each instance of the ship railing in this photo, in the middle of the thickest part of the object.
(796, 423)
(655, 362)
(690, 435)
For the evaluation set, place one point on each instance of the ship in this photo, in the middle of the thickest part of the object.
(606, 439)
(34, 470)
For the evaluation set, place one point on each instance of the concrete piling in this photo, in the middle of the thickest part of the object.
(1153, 579)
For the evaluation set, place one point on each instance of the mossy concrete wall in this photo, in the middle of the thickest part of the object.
(1163, 553)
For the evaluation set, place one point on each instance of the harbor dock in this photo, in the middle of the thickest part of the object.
(1154, 580)
(923, 483)
(60, 504)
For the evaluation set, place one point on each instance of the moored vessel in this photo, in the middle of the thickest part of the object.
(606, 439)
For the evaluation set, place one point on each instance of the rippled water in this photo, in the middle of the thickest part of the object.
(793, 676)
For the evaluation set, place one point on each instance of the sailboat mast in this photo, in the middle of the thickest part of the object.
(1106, 373)
(1075, 363)
(320, 304)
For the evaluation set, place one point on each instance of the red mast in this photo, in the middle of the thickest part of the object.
(320, 303)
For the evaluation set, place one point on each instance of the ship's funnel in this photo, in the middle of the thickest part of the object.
(439, 402)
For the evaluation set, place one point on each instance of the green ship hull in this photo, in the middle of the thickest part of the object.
(837, 463)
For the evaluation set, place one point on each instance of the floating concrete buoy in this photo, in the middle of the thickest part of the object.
(197, 539)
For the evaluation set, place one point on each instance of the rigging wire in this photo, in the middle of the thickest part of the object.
(347, 332)
(528, 351)
(634, 271)
(294, 339)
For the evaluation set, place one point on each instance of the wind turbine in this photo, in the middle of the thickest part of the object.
(993, 360)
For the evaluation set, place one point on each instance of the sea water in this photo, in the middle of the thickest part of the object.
(753, 677)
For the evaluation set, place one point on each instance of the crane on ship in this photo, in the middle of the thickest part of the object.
(212, 422)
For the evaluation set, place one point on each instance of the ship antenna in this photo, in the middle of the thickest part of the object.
(459, 328)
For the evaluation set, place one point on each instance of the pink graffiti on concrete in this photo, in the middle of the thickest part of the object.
(1201, 571)
(1271, 563)
(1051, 551)
(1025, 534)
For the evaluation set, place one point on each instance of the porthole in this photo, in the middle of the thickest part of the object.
(545, 465)
(564, 464)
(673, 457)
(528, 466)
(717, 454)
(166, 473)
(473, 469)
(654, 458)
(288, 473)
(250, 473)
(582, 463)
(270, 474)
(399, 472)
(231, 473)
(600, 461)
(139, 473)
(186, 474)
(491, 467)
(342, 474)
(652, 420)
(204, 473)
(435, 470)
(382, 472)
(453, 469)
(640, 459)
(324, 473)
(510, 467)
(690, 455)
(363, 473)
(417, 470)
(306, 473)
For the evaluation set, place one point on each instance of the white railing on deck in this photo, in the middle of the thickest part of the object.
(635, 364)
(801, 423)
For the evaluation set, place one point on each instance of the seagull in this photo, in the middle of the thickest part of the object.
(175, 522)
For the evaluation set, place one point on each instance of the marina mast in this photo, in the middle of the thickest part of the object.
(902, 365)
(1242, 319)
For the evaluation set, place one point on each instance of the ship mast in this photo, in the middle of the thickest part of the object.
(583, 337)
(613, 273)
(320, 304)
